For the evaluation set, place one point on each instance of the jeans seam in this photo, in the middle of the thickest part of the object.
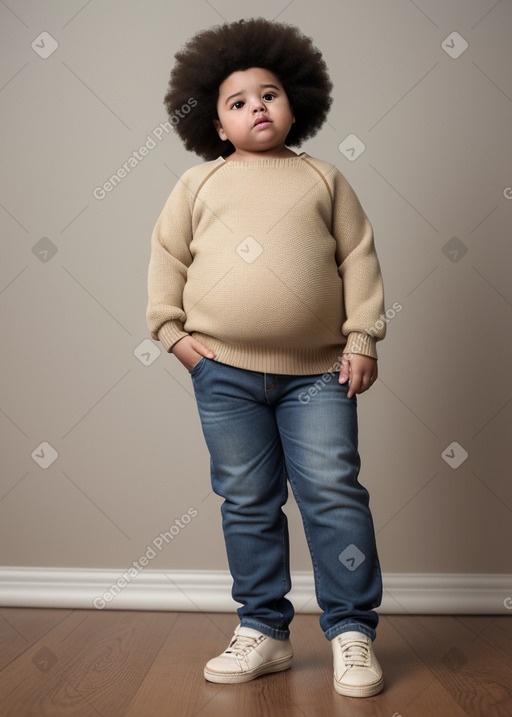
(266, 390)
(285, 539)
(316, 572)
(350, 625)
(274, 632)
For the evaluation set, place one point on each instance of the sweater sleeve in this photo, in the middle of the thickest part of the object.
(167, 273)
(359, 268)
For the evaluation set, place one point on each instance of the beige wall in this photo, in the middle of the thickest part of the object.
(131, 457)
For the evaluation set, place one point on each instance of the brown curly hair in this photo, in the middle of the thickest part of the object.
(212, 55)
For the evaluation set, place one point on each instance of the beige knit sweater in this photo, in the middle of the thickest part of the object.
(270, 263)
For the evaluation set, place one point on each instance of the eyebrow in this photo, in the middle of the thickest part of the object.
(242, 91)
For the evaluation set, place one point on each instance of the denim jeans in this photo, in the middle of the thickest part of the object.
(261, 431)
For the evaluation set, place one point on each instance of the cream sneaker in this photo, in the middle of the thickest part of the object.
(356, 670)
(250, 654)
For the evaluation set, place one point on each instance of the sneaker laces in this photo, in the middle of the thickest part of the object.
(240, 645)
(355, 654)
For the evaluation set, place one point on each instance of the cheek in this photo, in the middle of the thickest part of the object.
(235, 123)
(286, 112)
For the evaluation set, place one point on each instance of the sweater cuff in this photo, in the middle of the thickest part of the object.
(358, 343)
(170, 333)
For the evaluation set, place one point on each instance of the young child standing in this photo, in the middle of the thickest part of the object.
(264, 282)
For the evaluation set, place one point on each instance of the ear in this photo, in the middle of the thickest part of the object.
(218, 126)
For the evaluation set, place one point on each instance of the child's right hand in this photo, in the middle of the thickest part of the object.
(189, 351)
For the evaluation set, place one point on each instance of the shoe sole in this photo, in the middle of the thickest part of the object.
(232, 677)
(364, 691)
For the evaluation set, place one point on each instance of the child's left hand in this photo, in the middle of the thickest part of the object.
(360, 372)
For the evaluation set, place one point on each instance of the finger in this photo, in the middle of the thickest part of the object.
(344, 374)
(367, 380)
(361, 381)
(345, 369)
(373, 376)
(354, 384)
(352, 390)
(366, 383)
(202, 349)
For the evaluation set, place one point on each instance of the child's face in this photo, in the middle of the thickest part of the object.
(245, 98)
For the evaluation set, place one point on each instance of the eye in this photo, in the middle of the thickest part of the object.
(268, 96)
(237, 105)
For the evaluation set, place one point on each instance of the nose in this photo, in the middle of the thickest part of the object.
(258, 105)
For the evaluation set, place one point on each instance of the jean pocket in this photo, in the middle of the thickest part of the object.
(197, 366)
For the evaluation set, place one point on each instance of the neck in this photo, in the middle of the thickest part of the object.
(240, 155)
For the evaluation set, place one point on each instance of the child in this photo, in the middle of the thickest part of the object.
(264, 283)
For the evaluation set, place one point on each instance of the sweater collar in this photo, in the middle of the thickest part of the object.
(264, 162)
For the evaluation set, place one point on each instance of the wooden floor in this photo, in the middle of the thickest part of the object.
(111, 663)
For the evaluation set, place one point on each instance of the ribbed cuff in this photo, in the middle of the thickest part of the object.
(363, 344)
(170, 333)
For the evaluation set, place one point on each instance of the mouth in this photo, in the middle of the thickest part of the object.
(263, 122)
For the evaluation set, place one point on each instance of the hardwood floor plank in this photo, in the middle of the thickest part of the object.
(496, 631)
(461, 661)
(32, 683)
(20, 628)
(435, 701)
(91, 663)
(13, 673)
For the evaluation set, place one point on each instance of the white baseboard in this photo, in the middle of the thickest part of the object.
(210, 591)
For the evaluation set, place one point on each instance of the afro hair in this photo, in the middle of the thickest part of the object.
(212, 55)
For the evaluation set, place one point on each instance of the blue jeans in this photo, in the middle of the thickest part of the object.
(262, 429)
